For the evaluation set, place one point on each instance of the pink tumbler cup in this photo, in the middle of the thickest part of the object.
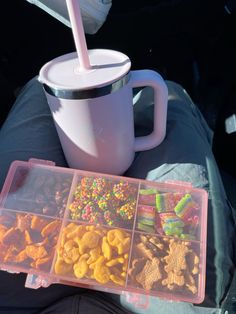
(93, 109)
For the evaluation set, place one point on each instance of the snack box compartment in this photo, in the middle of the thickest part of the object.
(104, 232)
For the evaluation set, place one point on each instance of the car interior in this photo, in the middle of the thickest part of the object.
(189, 42)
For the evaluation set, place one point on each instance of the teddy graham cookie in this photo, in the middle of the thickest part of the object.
(163, 264)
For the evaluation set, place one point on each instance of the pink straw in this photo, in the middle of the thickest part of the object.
(78, 34)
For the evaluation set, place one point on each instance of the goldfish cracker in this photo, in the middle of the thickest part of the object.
(115, 237)
(94, 255)
(98, 262)
(90, 240)
(101, 273)
(115, 261)
(76, 231)
(68, 232)
(70, 227)
(84, 257)
(106, 249)
(81, 268)
(61, 267)
(70, 252)
(124, 247)
(69, 245)
(119, 281)
(119, 239)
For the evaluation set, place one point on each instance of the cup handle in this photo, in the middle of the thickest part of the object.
(143, 78)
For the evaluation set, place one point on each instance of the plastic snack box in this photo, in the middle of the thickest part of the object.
(103, 232)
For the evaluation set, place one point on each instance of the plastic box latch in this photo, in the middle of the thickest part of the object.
(36, 281)
(140, 301)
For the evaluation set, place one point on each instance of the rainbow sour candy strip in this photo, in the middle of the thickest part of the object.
(145, 228)
(146, 218)
(171, 224)
(170, 230)
(185, 207)
(147, 196)
(172, 220)
(146, 209)
(146, 221)
(167, 201)
(160, 203)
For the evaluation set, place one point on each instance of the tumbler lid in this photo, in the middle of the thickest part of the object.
(107, 66)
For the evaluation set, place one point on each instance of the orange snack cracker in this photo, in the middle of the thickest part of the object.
(28, 241)
(102, 254)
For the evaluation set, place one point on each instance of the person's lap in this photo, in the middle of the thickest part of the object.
(184, 155)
